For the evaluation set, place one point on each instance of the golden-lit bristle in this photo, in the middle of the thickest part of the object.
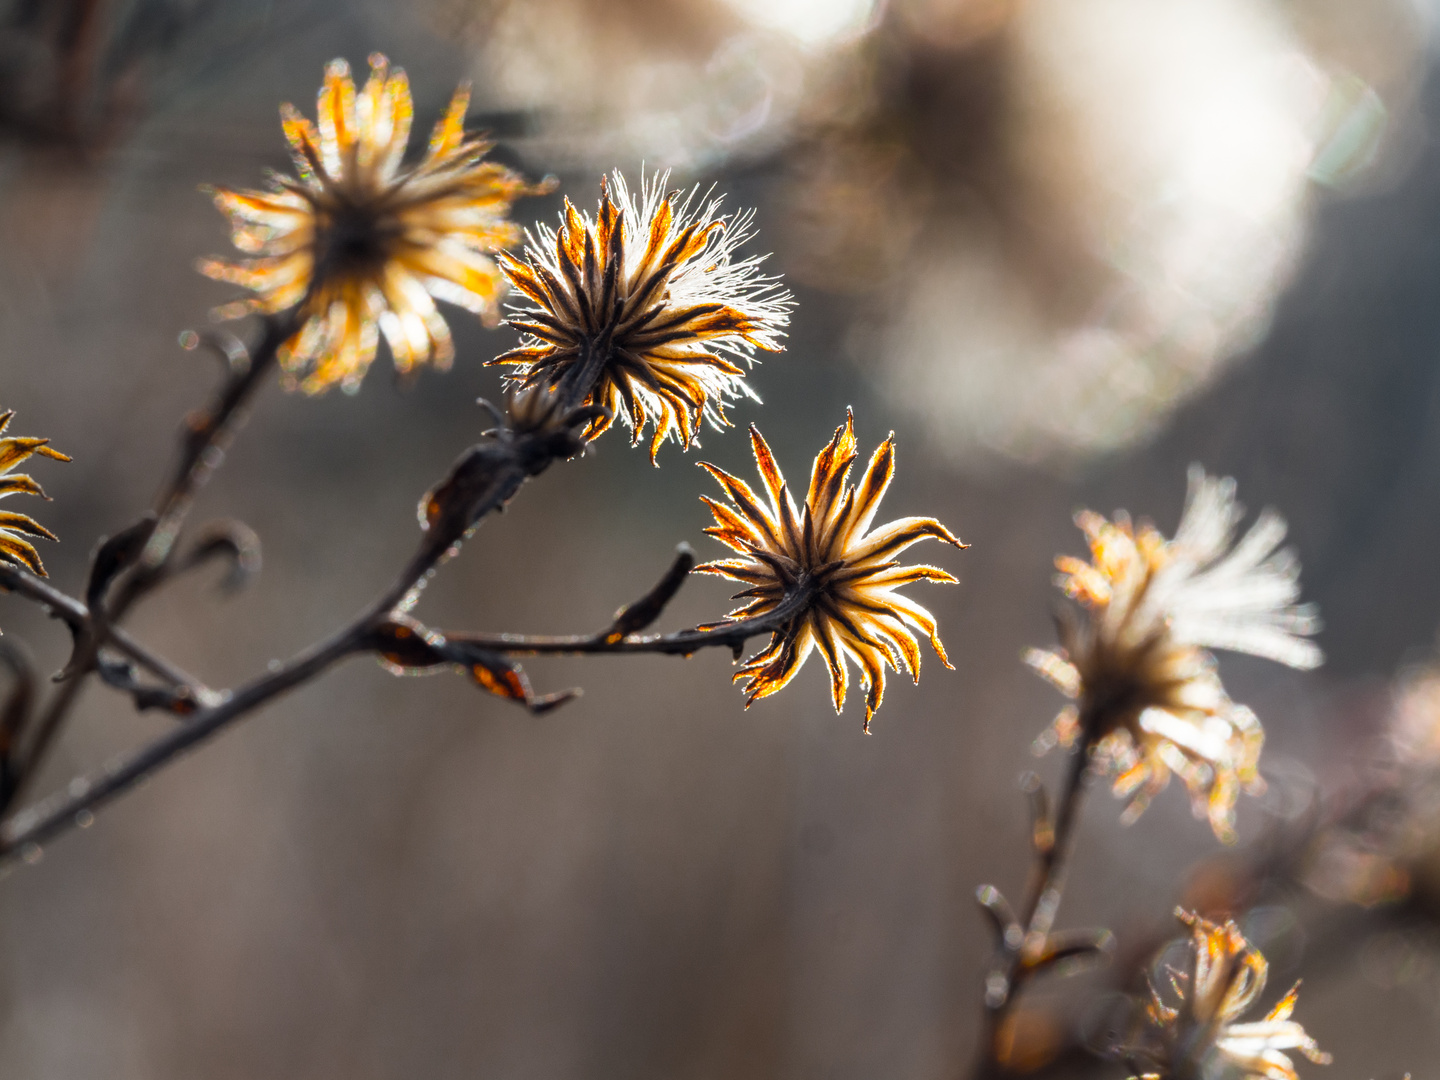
(651, 282)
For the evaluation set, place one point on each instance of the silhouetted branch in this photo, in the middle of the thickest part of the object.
(732, 636)
(1026, 944)
(140, 567)
(76, 617)
(481, 481)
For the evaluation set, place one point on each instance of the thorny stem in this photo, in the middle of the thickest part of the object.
(205, 436)
(1018, 953)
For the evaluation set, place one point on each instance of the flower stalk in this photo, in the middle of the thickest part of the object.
(1027, 945)
(203, 434)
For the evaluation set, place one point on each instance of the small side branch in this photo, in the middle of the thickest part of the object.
(76, 616)
(622, 635)
(732, 636)
(482, 481)
(205, 435)
(1027, 944)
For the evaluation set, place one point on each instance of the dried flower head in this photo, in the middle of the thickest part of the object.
(364, 244)
(14, 527)
(1223, 979)
(1149, 700)
(647, 306)
(825, 559)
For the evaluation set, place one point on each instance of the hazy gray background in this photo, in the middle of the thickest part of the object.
(379, 877)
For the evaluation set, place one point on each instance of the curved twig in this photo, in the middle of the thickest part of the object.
(76, 616)
(202, 442)
(480, 482)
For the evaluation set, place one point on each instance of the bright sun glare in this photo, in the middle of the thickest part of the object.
(812, 22)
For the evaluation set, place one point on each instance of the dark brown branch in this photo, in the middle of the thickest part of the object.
(18, 705)
(205, 435)
(58, 813)
(76, 617)
(481, 481)
(730, 636)
(1027, 945)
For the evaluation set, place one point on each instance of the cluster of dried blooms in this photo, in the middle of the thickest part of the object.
(1199, 1031)
(645, 312)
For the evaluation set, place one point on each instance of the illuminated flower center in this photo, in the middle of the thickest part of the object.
(351, 239)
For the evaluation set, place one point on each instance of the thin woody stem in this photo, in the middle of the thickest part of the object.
(75, 615)
(60, 811)
(482, 483)
(1043, 903)
(1037, 918)
(63, 810)
(682, 643)
(204, 434)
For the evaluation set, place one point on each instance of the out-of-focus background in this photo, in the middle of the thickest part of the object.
(1063, 247)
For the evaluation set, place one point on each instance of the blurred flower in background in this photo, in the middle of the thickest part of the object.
(1196, 1028)
(1061, 217)
(1148, 700)
(1383, 847)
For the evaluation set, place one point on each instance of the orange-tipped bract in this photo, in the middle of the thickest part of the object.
(14, 548)
(827, 551)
